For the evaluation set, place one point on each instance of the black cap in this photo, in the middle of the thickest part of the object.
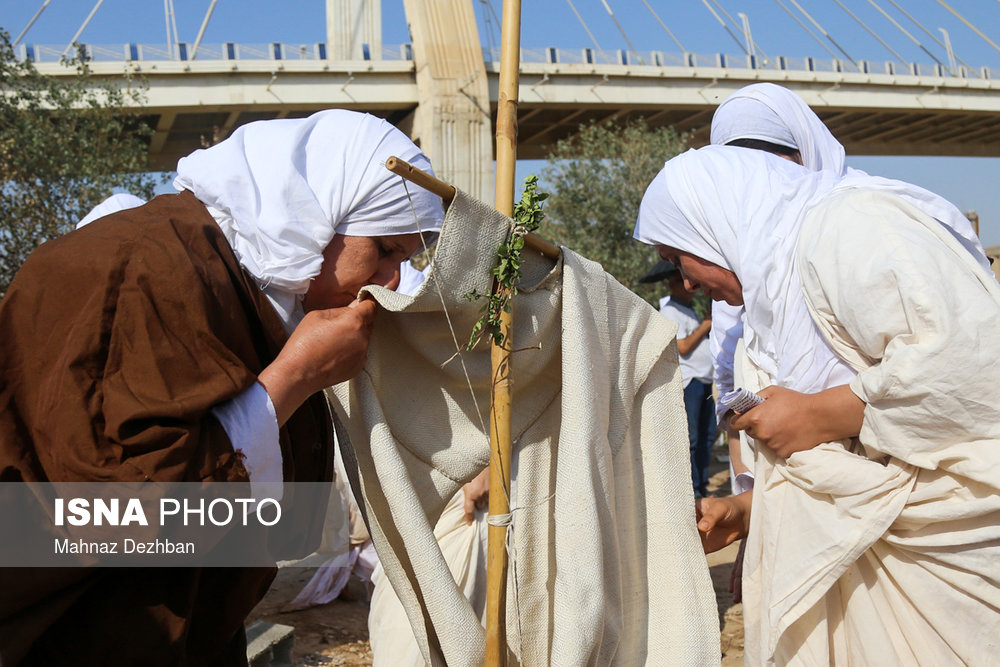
(661, 271)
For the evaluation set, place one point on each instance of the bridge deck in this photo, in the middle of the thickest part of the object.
(873, 110)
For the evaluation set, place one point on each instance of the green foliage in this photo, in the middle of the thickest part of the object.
(597, 178)
(65, 145)
(528, 216)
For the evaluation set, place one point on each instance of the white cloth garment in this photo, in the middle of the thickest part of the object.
(753, 235)
(281, 189)
(772, 113)
(606, 567)
(411, 278)
(284, 187)
(885, 549)
(346, 548)
(723, 339)
(464, 550)
(113, 204)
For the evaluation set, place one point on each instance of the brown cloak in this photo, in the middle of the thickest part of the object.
(116, 341)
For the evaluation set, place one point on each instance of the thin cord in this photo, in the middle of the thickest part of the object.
(447, 316)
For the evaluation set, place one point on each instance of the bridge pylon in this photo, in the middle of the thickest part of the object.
(452, 119)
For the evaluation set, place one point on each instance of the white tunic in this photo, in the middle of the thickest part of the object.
(886, 550)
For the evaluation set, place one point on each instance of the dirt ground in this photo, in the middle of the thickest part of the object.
(337, 633)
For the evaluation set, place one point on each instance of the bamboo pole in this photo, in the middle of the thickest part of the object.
(500, 436)
(446, 192)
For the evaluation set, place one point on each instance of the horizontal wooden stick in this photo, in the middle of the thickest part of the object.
(447, 192)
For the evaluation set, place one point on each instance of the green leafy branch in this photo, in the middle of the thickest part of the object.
(528, 216)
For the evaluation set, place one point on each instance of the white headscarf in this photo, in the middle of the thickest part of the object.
(769, 112)
(112, 204)
(742, 210)
(280, 189)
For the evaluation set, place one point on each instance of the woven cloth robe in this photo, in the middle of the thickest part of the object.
(606, 564)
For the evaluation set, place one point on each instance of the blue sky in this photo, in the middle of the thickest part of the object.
(971, 183)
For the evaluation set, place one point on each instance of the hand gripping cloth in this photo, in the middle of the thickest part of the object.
(606, 565)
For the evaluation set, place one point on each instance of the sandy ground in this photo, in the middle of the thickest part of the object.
(337, 633)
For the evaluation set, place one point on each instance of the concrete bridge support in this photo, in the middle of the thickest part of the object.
(352, 26)
(452, 119)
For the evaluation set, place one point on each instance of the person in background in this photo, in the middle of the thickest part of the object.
(696, 368)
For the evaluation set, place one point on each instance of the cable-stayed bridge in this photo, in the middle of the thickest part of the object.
(441, 88)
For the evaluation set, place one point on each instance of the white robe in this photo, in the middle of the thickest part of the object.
(886, 550)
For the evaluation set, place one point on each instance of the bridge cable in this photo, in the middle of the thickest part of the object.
(589, 34)
(201, 31)
(664, 26)
(905, 32)
(172, 18)
(751, 42)
(752, 47)
(31, 22)
(870, 31)
(825, 33)
(806, 28)
(82, 26)
(927, 32)
(723, 24)
(622, 31)
(490, 26)
(974, 28)
(733, 21)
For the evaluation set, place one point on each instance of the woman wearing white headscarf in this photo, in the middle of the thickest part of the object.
(773, 118)
(873, 530)
(189, 339)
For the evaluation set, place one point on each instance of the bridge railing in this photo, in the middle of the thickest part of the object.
(232, 51)
(741, 61)
(45, 53)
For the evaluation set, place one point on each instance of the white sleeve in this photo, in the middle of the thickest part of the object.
(727, 329)
(251, 423)
(742, 483)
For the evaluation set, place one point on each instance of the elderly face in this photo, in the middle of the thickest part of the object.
(718, 283)
(351, 262)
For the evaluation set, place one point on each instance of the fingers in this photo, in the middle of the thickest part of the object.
(483, 501)
(739, 420)
(709, 512)
(470, 510)
(364, 308)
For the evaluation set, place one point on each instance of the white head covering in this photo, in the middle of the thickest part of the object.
(742, 210)
(769, 112)
(411, 278)
(112, 204)
(280, 189)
